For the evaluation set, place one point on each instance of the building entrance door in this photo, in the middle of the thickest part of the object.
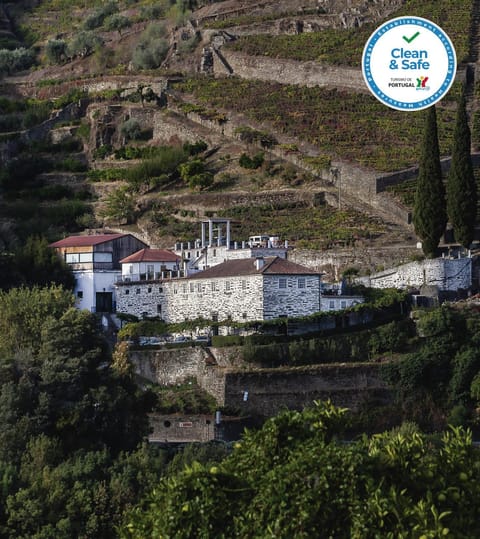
(104, 302)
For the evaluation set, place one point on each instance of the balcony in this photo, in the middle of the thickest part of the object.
(149, 277)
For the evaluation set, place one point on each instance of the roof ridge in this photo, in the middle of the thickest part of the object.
(268, 264)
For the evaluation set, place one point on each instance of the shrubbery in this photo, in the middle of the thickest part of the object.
(151, 49)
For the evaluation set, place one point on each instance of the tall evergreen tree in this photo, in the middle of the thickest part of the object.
(429, 214)
(461, 186)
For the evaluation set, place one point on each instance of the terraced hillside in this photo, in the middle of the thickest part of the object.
(149, 116)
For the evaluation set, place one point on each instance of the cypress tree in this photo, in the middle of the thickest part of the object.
(461, 186)
(429, 213)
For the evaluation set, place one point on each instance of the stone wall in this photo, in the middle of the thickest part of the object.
(299, 297)
(181, 428)
(169, 367)
(333, 262)
(267, 391)
(445, 273)
(243, 298)
(287, 71)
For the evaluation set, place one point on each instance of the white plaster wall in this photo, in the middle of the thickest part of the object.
(445, 273)
(291, 301)
(90, 283)
(138, 268)
(337, 303)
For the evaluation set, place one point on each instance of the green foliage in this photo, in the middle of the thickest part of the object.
(461, 185)
(131, 129)
(293, 478)
(157, 170)
(194, 148)
(119, 205)
(117, 22)
(429, 214)
(186, 398)
(151, 49)
(194, 174)
(83, 44)
(12, 61)
(23, 311)
(251, 162)
(56, 51)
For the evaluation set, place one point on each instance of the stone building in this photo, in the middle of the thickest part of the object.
(241, 290)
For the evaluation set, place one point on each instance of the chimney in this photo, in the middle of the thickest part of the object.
(259, 262)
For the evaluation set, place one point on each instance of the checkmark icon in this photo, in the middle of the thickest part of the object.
(410, 39)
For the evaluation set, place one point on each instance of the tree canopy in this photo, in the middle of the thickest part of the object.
(461, 185)
(429, 213)
(296, 478)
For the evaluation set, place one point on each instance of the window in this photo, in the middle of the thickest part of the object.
(80, 294)
(150, 272)
(227, 285)
(184, 288)
(130, 268)
(244, 315)
(282, 283)
(244, 285)
(343, 304)
(127, 291)
(102, 257)
(160, 289)
(331, 304)
(159, 308)
(199, 287)
(192, 287)
(189, 254)
(72, 258)
(149, 289)
(301, 282)
(137, 291)
(86, 257)
(214, 252)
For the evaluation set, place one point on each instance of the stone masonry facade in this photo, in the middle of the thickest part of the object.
(447, 274)
(241, 299)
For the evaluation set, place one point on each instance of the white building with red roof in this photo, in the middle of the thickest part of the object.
(95, 262)
(150, 264)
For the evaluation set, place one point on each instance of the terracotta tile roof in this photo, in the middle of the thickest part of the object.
(273, 265)
(151, 255)
(84, 241)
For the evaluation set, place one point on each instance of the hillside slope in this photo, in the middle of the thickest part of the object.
(324, 153)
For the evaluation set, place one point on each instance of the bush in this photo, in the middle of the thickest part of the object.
(83, 44)
(16, 60)
(251, 163)
(151, 49)
(162, 165)
(150, 55)
(194, 148)
(56, 51)
(117, 22)
(131, 129)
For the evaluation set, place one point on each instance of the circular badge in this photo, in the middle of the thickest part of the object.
(409, 63)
